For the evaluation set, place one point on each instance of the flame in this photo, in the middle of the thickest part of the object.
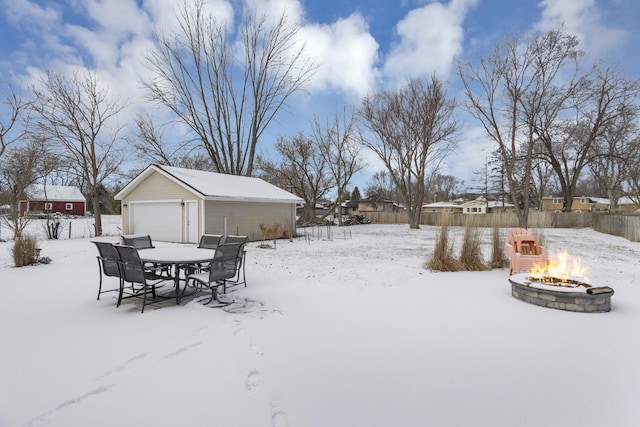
(563, 267)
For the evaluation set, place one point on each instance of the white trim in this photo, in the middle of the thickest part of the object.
(185, 221)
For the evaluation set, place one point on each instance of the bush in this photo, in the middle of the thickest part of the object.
(26, 251)
(443, 259)
(498, 257)
(471, 252)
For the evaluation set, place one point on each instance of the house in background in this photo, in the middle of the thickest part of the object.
(369, 205)
(554, 204)
(625, 205)
(590, 204)
(179, 205)
(453, 206)
(483, 206)
(40, 199)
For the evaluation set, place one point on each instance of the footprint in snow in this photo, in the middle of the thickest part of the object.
(254, 379)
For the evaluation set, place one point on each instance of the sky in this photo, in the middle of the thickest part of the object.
(351, 331)
(360, 46)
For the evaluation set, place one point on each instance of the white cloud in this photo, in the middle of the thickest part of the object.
(581, 18)
(344, 51)
(25, 12)
(346, 54)
(275, 8)
(471, 155)
(430, 39)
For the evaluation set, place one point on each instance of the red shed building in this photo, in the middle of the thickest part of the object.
(41, 199)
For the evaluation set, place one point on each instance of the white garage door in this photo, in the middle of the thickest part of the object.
(161, 220)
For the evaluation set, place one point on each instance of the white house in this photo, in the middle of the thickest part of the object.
(482, 206)
(179, 205)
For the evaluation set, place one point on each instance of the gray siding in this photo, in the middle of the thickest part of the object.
(244, 218)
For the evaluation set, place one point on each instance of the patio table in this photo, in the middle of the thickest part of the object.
(176, 256)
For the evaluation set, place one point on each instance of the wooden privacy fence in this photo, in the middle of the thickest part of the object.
(502, 220)
(619, 225)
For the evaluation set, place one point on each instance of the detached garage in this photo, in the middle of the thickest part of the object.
(179, 205)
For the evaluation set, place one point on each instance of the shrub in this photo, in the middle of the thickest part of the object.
(498, 257)
(442, 258)
(471, 252)
(25, 251)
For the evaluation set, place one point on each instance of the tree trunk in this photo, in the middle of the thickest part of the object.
(97, 215)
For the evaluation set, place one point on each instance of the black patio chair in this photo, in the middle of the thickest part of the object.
(210, 241)
(240, 278)
(138, 241)
(134, 272)
(108, 259)
(223, 267)
(207, 241)
(232, 238)
(143, 241)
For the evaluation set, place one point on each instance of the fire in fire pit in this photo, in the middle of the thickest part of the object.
(561, 284)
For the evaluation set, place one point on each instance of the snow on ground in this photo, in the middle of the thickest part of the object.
(348, 332)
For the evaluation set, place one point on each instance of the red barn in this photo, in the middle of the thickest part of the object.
(41, 199)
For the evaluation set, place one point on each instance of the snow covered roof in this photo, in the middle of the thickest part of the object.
(217, 186)
(498, 204)
(54, 192)
(443, 204)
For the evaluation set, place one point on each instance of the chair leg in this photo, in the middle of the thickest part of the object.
(120, 292)
(100, 284)
(144, 299)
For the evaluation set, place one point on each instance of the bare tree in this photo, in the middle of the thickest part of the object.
(338, 141)
(596, 106)
(301, 170)
(150, 146)
(612, 153)
(18, 170)
(413, 130)
(507, 90)
(632, 181)
(13, 106)
(543, 176)
(443, 187)
(380, 187)
(74, 114)
(227, 95)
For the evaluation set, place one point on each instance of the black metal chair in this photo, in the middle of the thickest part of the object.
(134, 272)
(210, 241)
(143, 241)
(108, 259)
(207, 241)
(232, 238)
(240, 278)
(223, 266)
(138, 241)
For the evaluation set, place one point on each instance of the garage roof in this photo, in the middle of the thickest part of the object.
(217, 186)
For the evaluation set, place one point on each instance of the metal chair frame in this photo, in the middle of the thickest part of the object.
(223, 267)
(108, 265)
(134, 272)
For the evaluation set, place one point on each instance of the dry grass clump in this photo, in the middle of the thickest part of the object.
(498, 257)
(471, 252)
(443, 258)
(25, 251)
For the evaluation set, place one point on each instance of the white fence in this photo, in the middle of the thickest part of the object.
(70, 228)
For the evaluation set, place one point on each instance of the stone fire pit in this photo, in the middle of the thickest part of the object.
(583, 298)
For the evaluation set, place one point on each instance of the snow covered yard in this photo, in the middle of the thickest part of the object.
(349, 332)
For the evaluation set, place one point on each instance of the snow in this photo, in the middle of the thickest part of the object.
(218, 186)
(348, 331)
(55, 192)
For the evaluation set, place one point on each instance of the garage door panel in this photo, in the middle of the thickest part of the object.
(161, 220)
